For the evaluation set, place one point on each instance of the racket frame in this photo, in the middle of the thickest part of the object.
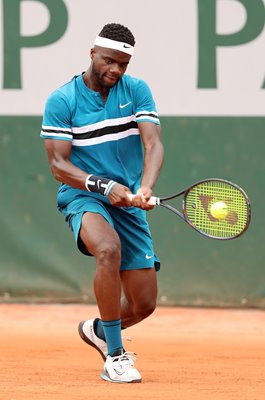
(161, 201)
(183, 215)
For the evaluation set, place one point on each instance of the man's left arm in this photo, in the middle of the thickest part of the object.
(153, 160)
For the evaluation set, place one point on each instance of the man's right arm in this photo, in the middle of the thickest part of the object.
(64, 171)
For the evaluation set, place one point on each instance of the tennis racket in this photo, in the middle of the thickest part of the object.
(216, 208)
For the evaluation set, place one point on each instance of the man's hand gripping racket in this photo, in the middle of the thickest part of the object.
(214, 207)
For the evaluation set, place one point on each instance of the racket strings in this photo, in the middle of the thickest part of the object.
(201, 197)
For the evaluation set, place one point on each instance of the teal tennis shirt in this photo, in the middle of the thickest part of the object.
(105, 136)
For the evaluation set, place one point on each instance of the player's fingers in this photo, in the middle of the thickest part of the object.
(136, 201)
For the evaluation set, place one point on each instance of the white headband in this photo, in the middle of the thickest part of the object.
(114, 44)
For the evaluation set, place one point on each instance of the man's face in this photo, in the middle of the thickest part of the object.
(108, 66)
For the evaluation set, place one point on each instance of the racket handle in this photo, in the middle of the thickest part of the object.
(152, 201)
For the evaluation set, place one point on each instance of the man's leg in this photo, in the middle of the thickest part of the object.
(102, 241)
(140, 290)
(140, 295)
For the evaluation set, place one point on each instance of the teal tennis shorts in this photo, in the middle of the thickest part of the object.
(130, 223)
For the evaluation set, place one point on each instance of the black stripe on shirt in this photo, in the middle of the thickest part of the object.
(107, 130)
(57, 131)
(146, 115)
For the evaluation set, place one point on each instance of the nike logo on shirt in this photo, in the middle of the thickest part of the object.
(125, 105)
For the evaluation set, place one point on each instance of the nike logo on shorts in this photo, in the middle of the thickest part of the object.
(148, 257)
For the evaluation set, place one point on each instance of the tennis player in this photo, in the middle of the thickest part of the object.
(103, 140)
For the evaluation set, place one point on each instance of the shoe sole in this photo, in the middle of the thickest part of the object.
(88, 341)
(105, 377)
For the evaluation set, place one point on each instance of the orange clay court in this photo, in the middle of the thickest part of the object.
(183, 353)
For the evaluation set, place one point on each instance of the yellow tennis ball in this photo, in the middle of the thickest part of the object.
(219, 210)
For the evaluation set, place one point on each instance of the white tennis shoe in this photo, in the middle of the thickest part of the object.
(120, 369)
(87, 333)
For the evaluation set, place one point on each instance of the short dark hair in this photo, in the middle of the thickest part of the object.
(117, 32)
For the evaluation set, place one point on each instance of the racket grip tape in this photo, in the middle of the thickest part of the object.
(152, 201)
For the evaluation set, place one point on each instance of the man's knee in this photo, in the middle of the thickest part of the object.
(144, 308)
(109, 253)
